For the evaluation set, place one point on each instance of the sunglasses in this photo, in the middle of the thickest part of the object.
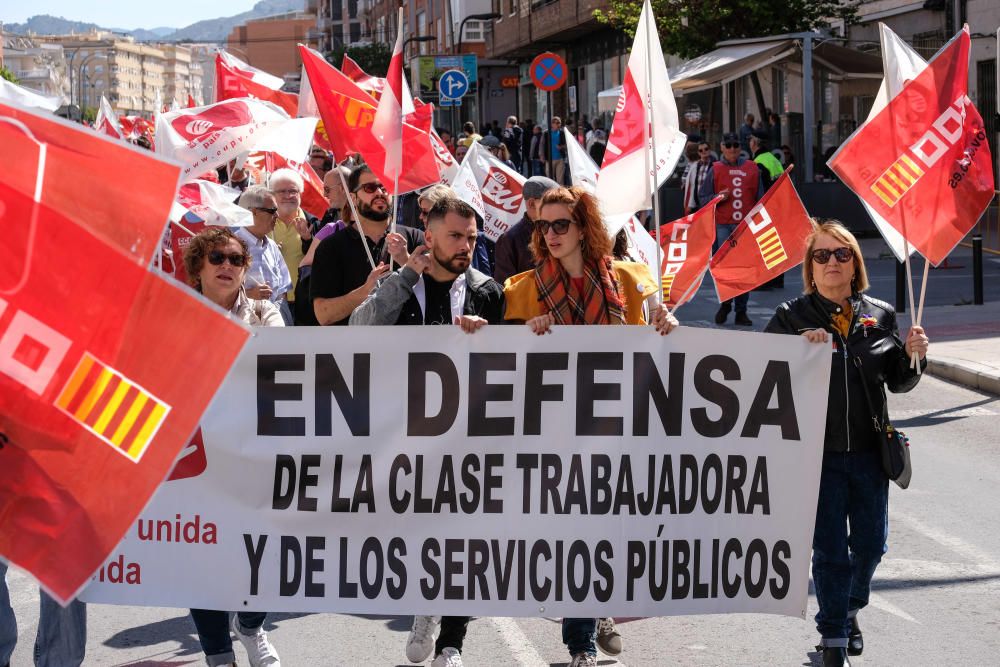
(217, 257)
(269, 211)
(842, 254)
(731, 144)
(372, 188)
(560, 226)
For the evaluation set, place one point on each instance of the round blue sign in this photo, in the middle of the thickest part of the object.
(453, 84)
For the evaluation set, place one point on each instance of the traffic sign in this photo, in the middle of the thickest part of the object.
(448, 102)
(548, 71)
(453, 84)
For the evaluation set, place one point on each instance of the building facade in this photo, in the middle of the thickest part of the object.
(39, 66)
(271, 43)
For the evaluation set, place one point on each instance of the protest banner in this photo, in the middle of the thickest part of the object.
(499, 473)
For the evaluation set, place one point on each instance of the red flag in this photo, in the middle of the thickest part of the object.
(388, 124)
(370, 84)
(923, 163)
(92, 418)
(234, 78)
(687, 249)
(348, 113)
(191, 102)
(770, 240)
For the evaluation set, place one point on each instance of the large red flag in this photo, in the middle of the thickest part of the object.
(348, 113)
(687, 249)
(770, 240)
(923, 163)
(371, 84)
(388, 123)
(234, 78)
(92, 418)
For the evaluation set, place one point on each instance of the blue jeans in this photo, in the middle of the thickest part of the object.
(580, 635)
(852, 526)
(61, 640)
(722, 234)
(213, 632)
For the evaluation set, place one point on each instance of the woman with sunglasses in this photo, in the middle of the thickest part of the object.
(216, 261)
(868, 356)
(577, 281)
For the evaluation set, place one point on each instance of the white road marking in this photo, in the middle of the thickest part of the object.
(880, 602)
(974, 411)
(979, 558)
(520, 646)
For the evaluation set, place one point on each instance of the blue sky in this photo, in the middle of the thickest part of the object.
(128, 15)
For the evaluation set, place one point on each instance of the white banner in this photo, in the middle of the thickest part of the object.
(501, 188)
(595, 471)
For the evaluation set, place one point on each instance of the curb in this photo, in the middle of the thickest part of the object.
(969, 374)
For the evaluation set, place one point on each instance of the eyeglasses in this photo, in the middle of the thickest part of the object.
(217, 257)
(703, 150)
(291, 192)
(731, 144)
(560, 226)
(371, 188)
(843, 255)
(269, 211)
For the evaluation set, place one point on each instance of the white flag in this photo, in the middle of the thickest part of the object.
(203, 138)
(446, 162)
(465, 186)
(213, 203)
(107, 120)
(20, 96)
(501, 188)
(626, 183)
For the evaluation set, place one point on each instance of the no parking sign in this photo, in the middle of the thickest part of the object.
(548, 71)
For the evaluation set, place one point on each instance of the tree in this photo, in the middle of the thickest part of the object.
(7, 74)
(689, 28)
(373, 58)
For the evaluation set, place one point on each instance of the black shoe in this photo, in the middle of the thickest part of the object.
(742, 320)
(835, 656)
(855, 640)
(722, 313)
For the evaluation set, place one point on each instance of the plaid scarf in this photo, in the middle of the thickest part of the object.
(600, 303)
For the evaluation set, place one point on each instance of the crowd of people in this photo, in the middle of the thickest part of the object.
(368, 262)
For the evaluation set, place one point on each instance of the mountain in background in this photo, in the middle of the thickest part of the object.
(211, 30)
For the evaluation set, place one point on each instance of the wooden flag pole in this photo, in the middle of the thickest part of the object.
(651, 147)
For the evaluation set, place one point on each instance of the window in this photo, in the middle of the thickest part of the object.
(421, 31)
(473, 31)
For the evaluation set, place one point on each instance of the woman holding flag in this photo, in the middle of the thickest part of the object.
(577, 281)
(852, 512)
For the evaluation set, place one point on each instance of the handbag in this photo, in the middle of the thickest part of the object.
(894, 445)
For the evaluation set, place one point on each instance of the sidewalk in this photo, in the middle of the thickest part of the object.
(965, 344)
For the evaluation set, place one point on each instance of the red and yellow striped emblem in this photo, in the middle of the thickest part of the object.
(770, 248)
(896, 180)
(112, 407)
(668, 282)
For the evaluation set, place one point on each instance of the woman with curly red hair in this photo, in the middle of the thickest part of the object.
(577, 281)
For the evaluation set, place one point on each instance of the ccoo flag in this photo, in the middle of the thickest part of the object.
(923, 163)
(687, 249)
(770, 240)
(92, 417)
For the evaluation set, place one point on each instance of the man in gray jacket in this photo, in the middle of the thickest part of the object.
(437, 285)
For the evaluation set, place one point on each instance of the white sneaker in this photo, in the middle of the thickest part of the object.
(420, 643)
(449, 657)
(259, 649)
(583, 660)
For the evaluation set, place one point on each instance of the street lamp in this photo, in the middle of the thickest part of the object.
(461, 32)
(418, 38)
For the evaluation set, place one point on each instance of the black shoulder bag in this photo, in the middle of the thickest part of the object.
(895, 446)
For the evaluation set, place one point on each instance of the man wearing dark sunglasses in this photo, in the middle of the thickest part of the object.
(342, 273)
(739, 182)
(268, 277)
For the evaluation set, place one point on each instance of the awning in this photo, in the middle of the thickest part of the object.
(607, 100)
(728, 63)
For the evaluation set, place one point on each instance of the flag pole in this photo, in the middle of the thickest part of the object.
(354, 214)
(909, 288)
(651, 146)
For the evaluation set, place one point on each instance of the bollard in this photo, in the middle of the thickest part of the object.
(977, 270)
(900, 287)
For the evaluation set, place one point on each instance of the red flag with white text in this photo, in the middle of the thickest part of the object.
(92, 418)
(107, 120)
(924, 163)
(687, 250)
(770, 240)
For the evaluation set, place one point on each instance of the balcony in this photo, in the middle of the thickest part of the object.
(33, 74)
(549, 24)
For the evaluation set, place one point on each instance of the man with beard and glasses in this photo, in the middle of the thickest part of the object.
(344, 271)
(438, 285)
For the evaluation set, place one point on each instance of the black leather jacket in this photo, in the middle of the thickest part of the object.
(872, 354)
